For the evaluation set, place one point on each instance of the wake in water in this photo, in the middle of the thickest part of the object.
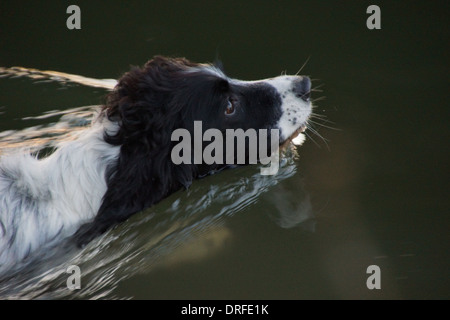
(46, 135)
(61, 77)
(186, 226)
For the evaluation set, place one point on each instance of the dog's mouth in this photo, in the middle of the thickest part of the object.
(296, 138)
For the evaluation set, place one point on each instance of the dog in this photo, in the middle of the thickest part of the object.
(122, 164)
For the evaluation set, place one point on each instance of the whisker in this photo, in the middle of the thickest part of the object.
(300, 70)
(323, 125)
(318, 86)
(318, 99)
(321, 118)
(319, 135)
(312, 139)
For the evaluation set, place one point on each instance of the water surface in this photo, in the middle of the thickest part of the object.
(374, 193)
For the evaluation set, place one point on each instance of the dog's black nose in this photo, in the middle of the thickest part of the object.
(302, 88)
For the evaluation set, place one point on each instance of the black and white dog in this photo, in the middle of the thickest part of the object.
(122, 163)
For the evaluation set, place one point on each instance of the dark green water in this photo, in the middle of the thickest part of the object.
(375, 193)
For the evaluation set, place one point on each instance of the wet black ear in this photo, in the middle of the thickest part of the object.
(140, 178)
(138, 181)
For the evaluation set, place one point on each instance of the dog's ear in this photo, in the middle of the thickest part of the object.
(144, 172)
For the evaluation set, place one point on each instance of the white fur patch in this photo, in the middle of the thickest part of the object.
(45, 200)
(295, 110)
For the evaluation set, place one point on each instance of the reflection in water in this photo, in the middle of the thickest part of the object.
(289, 214)
(189, 225)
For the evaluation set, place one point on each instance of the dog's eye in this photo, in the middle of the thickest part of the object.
(230, 108)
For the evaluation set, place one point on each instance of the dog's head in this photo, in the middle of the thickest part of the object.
(149, 103)
(167, 94)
